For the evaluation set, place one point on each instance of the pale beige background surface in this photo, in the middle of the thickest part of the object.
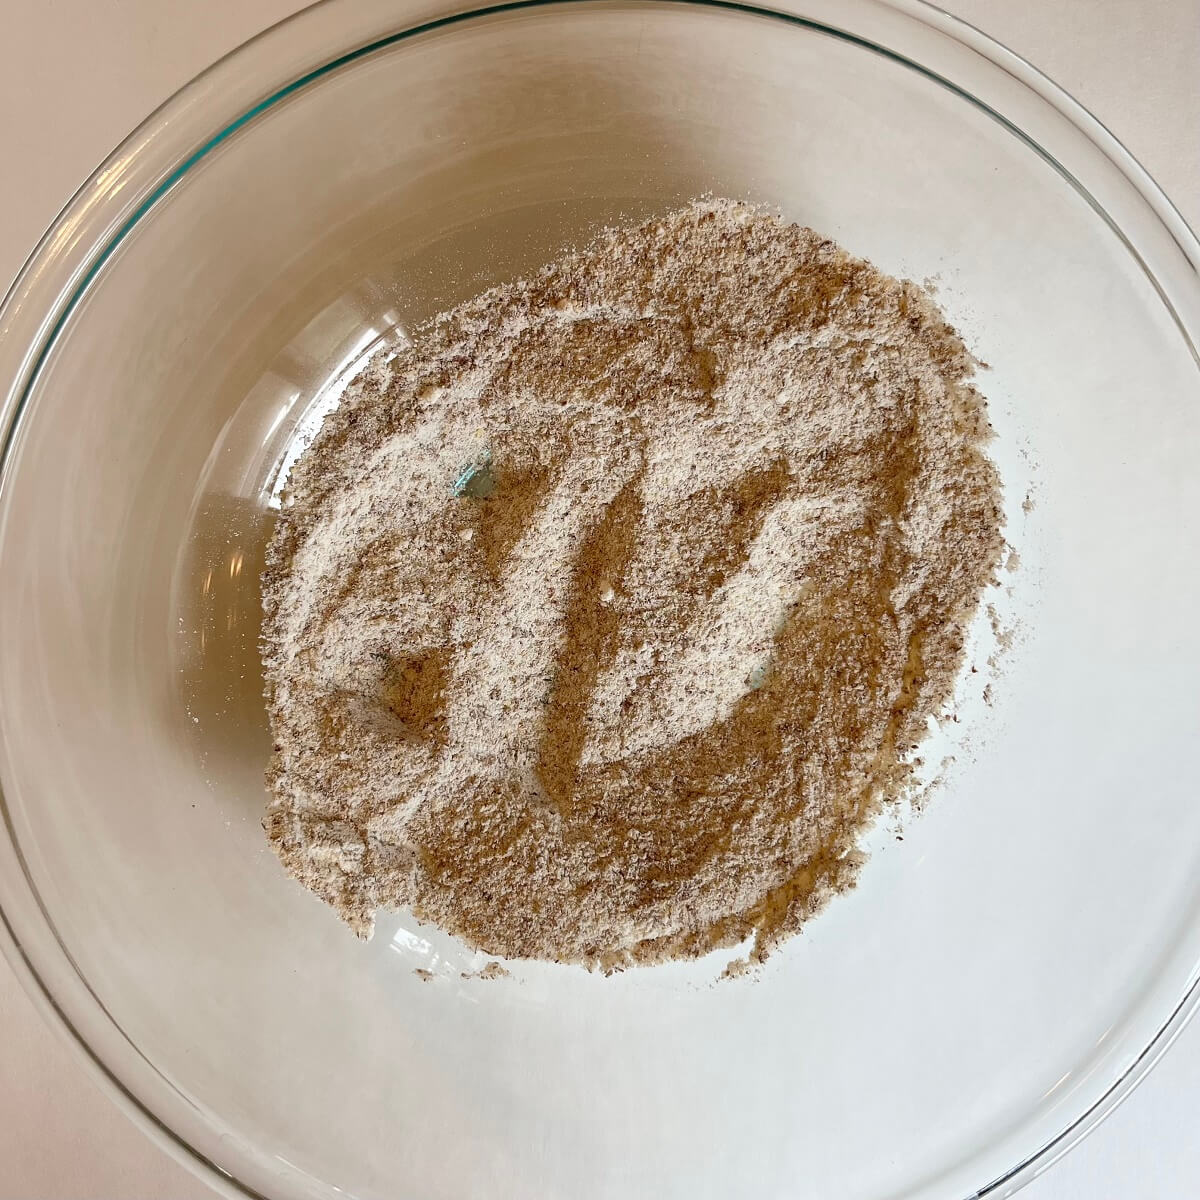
(76, 75)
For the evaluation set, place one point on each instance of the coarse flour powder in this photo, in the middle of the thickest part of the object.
(601, 620)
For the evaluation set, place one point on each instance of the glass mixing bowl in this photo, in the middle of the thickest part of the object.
(1000, 977)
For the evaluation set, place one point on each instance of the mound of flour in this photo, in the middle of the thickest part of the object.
(603, 618)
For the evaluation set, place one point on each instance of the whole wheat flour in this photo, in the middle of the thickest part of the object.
(603, 619)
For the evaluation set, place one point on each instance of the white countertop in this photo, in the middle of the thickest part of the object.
(77, 75)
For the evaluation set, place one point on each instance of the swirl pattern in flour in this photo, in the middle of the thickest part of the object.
(603, 618)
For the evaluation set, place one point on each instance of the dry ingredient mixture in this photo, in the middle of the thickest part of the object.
(600, 622)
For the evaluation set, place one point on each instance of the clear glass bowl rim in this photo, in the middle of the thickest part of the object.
(141, 171)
